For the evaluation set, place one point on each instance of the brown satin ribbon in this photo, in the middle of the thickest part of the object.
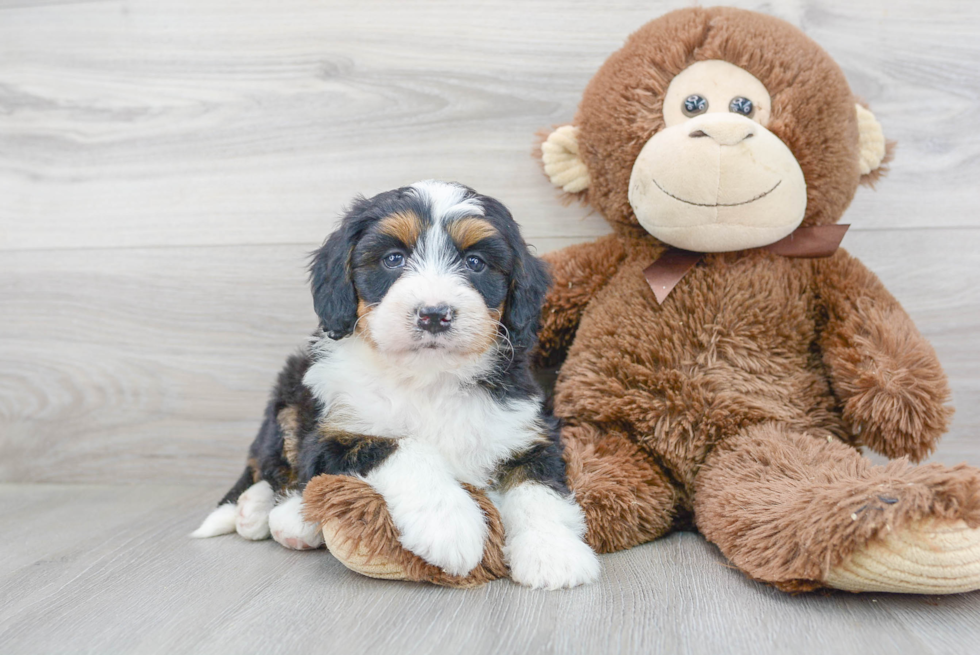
(805, 242)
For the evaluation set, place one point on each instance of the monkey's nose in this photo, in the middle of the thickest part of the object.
(435, 319)
(725, 133)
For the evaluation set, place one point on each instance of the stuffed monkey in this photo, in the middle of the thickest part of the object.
(722, 359)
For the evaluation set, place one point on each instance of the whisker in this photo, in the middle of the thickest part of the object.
(505, 335)
(370, 306)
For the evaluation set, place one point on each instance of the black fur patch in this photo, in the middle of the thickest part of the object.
(541, 463)
(331, 272)
(266, 457)
(528, 277)
(244, 482)
(371, 278)
(342, 453)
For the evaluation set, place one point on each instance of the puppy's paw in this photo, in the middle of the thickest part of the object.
(435, 517)
(289, 529)
(360, 533)
(252, 519)
(448, 531)
(553, 557)
(545, 544)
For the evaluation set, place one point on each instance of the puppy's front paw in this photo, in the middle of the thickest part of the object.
(436, 519)
(359, 531)
(290, 530)
(544, 538)
(252, 519)
(448, 531)
(554, 558)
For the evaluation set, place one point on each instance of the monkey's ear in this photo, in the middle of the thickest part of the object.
(559, 154)
(871, 141)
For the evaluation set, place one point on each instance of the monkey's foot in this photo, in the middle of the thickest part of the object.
(930, 556)
(359, 531)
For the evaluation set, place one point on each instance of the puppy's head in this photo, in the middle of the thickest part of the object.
(429, 268)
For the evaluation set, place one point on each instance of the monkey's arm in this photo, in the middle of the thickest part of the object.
(578, 272)
(886, 375)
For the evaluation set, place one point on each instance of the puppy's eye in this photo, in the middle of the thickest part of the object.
(394, 260)
(741, 105)
(694, 105)
(475, 264)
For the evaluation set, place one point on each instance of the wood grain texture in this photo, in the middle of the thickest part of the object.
(122, 576)
(188, 122)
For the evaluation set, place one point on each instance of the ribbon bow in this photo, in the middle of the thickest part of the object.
(804, 242)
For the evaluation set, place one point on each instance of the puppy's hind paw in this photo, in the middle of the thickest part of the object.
(290, 530)
(252, 519)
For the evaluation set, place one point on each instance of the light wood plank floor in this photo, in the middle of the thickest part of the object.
(165, 167)
(126, 579)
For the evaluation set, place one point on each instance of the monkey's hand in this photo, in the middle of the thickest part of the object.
(887, 376)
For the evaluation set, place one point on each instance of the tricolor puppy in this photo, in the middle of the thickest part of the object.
(418, 381)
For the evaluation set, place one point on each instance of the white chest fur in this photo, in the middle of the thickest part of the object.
(472, 430)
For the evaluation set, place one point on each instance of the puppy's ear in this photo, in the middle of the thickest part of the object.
(334, 297)
(522, 315)
(529, 284)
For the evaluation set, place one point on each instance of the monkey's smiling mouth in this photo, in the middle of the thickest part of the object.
(719, 204)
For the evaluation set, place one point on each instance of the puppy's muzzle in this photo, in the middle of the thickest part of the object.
(434, 319)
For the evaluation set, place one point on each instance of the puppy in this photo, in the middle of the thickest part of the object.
(418, 380)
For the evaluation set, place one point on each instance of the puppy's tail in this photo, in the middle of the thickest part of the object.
(222, 519)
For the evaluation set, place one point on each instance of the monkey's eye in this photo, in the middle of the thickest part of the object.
(394, 260)
(694, 105)
(741, 105)
(475, 264)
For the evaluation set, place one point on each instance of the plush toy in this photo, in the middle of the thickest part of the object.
(723, 146)
(722, 361)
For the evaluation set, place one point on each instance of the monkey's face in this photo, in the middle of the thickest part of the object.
(715, 179)
(717, 130)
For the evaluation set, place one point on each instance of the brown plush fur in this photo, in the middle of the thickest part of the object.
(740, 399)
(823, 493)
(358, 514)
(626, 496)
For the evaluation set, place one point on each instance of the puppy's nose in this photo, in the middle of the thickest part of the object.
(435, 319)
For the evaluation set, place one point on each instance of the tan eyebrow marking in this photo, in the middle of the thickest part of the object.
(404, 226)
(470, 230)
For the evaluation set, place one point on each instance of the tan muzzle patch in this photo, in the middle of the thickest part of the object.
(717, 183)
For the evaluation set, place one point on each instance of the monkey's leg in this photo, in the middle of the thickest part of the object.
(803, 513)
(626, 497)
(359, 531)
